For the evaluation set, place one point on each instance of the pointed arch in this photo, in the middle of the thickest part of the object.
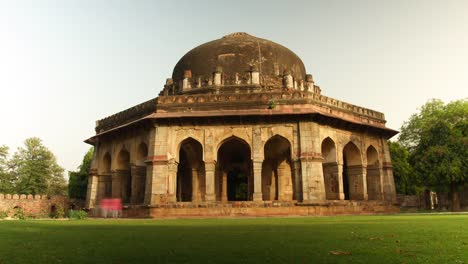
(373, 174)
(353, 174)
(105, 177)
(190, 182)
(277, 175)
(106, 162)
(331, 170)
(122, 181)
(239, 138)
(234, 170)
(189, 139)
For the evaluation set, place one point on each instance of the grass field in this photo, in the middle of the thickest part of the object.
(362, 239)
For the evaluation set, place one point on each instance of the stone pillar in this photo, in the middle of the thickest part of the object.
(210, 181)
(195, 186)
(357, 182)
(254, 75)
(288, 80)
(312, 174)
(92, 190)
(297, 179)
(217, 76)
(341, 194)
(172, 181)
(224, 195)
(257, 170)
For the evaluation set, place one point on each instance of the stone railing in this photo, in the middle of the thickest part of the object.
(126, 116)
(150, 106)
(268, 96)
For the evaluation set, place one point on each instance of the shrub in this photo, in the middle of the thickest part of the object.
(77, 214)
(18, 213)
(3, 214)
(57, 212)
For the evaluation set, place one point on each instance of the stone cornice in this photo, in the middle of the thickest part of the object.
(267, 102)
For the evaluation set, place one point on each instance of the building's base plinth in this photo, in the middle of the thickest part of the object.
(259, 209)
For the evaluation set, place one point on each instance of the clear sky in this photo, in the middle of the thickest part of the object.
(65, 64)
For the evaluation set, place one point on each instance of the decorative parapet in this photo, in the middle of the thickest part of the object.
(306, 97)
(22, 197)
(277, 97)
(128, 115)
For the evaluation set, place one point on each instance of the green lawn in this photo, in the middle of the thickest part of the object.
(369, 239)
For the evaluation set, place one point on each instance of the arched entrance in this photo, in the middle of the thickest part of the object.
(277, 180)
(190, 172)
(330, 170)
(123, 178)
(373, 174)
(353, 185)
(234, 171)
(105, 177)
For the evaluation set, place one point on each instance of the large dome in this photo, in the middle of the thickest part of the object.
(237, 53)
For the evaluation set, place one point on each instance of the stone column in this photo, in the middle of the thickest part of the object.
(172, 181)
(257, 170)
(224, 195)
(341, 194)
(381, 181)
(297, 179)
(357, 182)
(92, 190)
(195, 186)
(210, 181)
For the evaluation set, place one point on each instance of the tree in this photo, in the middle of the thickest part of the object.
(438, 146)
(6, 179)
(78, 180)
(36, 170)
(402, 170)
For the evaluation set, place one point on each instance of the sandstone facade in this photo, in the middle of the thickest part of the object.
(247, 135)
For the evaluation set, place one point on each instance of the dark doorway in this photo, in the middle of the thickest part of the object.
(184, 179)
(237, 186)
(235, 171)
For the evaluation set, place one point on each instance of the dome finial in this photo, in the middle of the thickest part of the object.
(236, 34)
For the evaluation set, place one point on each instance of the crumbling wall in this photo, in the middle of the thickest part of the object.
(32, 206)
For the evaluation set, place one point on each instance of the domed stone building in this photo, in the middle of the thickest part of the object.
(242, 129)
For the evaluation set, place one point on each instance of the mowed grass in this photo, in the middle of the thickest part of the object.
(368, 239)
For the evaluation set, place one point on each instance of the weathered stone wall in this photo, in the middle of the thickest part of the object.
(314, 177)
(36, 206)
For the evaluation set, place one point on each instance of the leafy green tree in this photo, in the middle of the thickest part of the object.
(438, 146)
(36, 170)
(6, 177)
(78, 180)
(402, 170)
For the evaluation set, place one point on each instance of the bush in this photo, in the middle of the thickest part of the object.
(18, 213)
(57, 212)
(77, 214)
(3, 214)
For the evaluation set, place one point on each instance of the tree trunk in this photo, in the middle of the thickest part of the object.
(454, 198)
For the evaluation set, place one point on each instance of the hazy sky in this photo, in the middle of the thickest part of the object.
(65, 64)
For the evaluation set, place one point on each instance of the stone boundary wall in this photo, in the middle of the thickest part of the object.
(411, 201)
(34, 206)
